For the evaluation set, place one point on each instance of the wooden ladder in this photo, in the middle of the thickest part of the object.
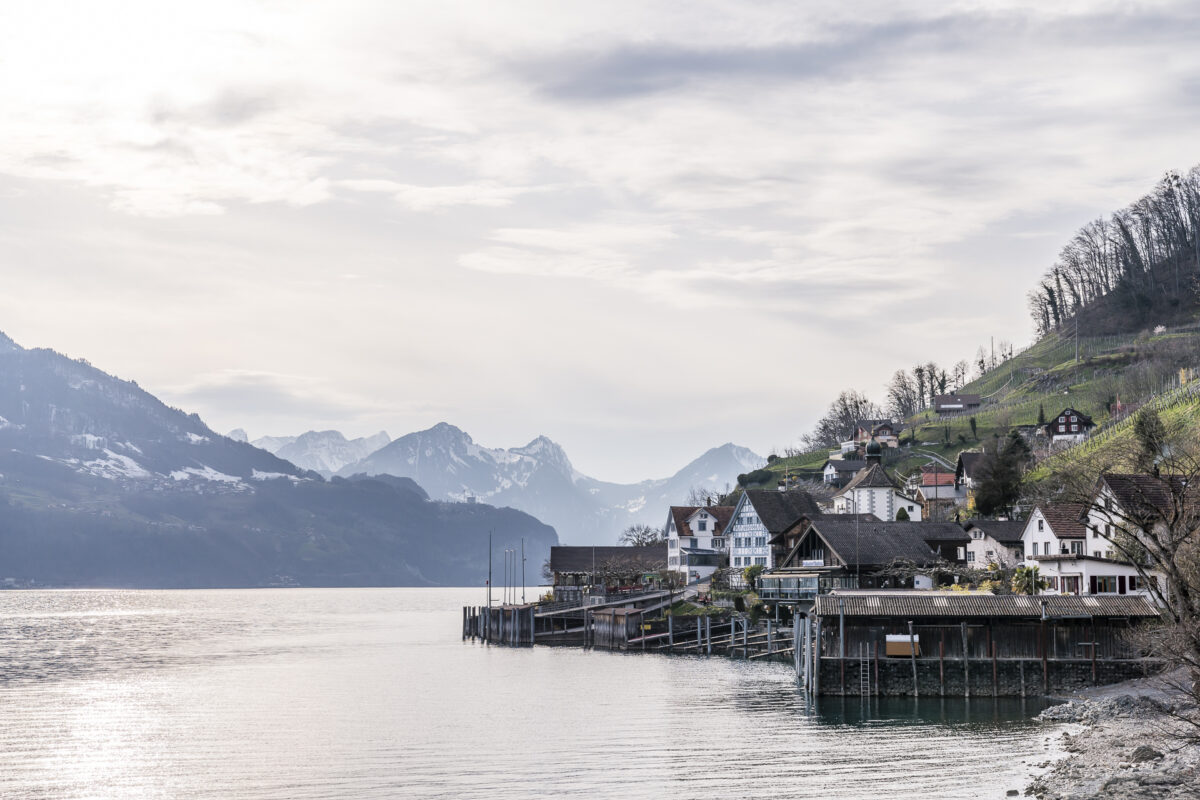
(864, 671)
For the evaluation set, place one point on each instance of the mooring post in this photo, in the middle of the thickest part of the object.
(912, 652)
(642, 628)
(995, 672)
(770, 636)
(877, 692)
(670, 632)
(708, 632)
(942, 667)
(796, 642)
(817, 658)
(1021, 669)
(1045, 662)
(1094, 647)
(966, 664)
(746, 637)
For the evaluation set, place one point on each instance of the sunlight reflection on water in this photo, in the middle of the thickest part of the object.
(371, 694)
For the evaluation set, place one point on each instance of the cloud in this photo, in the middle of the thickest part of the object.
(429, 198)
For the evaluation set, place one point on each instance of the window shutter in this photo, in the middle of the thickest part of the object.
(1093, 584)
(1120, 584)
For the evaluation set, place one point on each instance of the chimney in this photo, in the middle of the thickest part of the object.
(707, 500)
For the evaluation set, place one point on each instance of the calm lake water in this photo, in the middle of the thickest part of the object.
(371, 694)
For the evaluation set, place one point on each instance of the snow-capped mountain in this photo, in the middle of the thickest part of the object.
(540, 480)
(322, 451)
(102, 484)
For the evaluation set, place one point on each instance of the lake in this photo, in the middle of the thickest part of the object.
(370, 693)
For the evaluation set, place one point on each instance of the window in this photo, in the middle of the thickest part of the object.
(760, 541)
(672, 543)
(1074, 419)
(970, 556)
(1096, 554)
(761, 560)
(718, 544)
(991, 554)
(1074, 428)
(1035, 548)
(673, 561)
(1077, 548)
(703, 525)
(1133, 583)
(1105, 583)
(1062, 419)
(1041, 525)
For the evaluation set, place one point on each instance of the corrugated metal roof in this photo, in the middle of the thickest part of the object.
(957, 604)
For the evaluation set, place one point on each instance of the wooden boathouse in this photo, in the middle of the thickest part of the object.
(967, 644)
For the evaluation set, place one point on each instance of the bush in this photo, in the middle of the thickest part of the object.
(757, 476)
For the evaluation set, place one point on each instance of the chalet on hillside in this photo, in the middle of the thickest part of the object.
(955, 403)
(884, 431)
(1069, 426)
(839, 471)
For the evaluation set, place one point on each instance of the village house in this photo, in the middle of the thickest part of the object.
(848, 554)
(1072, 556)
(872, 491)
(758, 516)
(955, 403)
(696, 542)
(838, 472)
(995, 542)
(1069, 427)
(937, 491)
(884, 431)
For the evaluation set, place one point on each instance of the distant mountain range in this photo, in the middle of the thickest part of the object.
(101, 484)
(325, 452)
(537, 478)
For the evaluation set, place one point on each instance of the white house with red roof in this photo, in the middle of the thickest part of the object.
(696, 542)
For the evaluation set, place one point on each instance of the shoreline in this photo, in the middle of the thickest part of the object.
(1120, 745)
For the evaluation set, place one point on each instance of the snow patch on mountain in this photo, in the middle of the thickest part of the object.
(206, 474)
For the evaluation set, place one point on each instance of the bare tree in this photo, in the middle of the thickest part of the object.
(1151, 520)
(641, 535)
(839, 421)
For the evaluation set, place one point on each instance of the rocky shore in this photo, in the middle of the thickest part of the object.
(1127, 745)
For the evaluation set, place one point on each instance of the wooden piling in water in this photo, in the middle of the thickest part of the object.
(966, 664)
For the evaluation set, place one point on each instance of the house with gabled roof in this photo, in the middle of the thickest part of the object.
(696, 542)
(998, 542)
(848, 554)
(839, 471)
(968, 472)
(873, 491)
(884, 431)
(1074, 555)
(955, 403)
(1069, 426)
(758, 516)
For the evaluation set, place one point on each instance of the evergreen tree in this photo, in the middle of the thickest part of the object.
(1151, 436)
(973, 424)
(1000, 482)
(1041, 414)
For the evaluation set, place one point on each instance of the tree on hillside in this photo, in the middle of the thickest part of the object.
(904, 398)
(1041, 415)
(1000, 476)
(1145, 256)
(960, 374)
(1151, 437)
(838, 423)
(641, 535)
(974, 428)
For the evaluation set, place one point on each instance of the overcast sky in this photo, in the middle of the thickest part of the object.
(642, 229)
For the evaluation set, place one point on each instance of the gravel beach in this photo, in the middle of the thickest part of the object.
(1127, 746)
